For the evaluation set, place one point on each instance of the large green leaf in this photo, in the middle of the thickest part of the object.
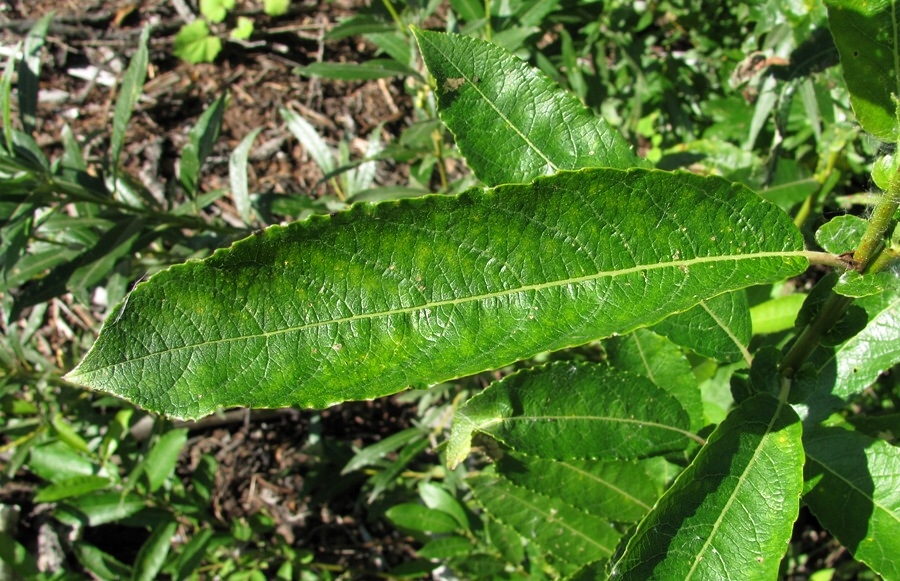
(369, 301)
(512, 122)
(853, 488)
(565, 410)
(729, 515)
(866, 34)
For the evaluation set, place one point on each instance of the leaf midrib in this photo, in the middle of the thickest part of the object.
(732, 498)
(680, 264)
(559, 418)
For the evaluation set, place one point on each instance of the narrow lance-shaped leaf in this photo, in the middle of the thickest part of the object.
(129, 93)
(573, 411)
(867, 36)
(729, 515)
(511, 121)
(853, 488)
(366, 302)
(854, 365)
(29, 70)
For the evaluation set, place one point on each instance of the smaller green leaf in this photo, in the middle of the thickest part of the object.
(97, 509)
(369, 70)
(160, 462)
(310, 139)
(276, 7)
(747, 477)
(216, 10)
(57, 462)
(856, 285)
(244, 28)
(854, 365)
(67, 434)
(851, 487)
(396, 45)
(841, 234)
(129, 92)
(645, 353)
(237, 174)
(719, 327)
(359, 25)
(194, 44)
(101, 564)
(564, 410)
(776, 315)
(415, 517)
(153, 552)
(373, 453)
(565, 534)
(191, 555)
(118, 428)
(201, 140)
(438, 498)
(75, 486)
(617, 490)
(444, 548)
(866, 36)
(884, 169)
(507, 138)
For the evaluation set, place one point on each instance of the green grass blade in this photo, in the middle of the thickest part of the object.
(30, 73)
(201, 140)
(6, 100)
(129, 93)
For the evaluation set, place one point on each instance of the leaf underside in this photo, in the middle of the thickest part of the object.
(367, 302)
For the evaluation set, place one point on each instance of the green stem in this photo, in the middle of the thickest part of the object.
(871, 256)
(822, 178)
(872, 242)
(811, 336)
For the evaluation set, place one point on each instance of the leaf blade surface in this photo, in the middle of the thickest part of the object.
(367, 302)
(750, 469)
(512, 122)
(853, 488)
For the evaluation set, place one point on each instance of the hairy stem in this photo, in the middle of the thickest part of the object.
(871, 256)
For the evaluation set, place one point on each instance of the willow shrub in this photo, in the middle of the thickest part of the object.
(574, 240)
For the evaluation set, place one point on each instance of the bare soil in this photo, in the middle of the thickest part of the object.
(264, 461)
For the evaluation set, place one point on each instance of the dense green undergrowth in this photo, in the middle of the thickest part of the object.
(681, 364)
